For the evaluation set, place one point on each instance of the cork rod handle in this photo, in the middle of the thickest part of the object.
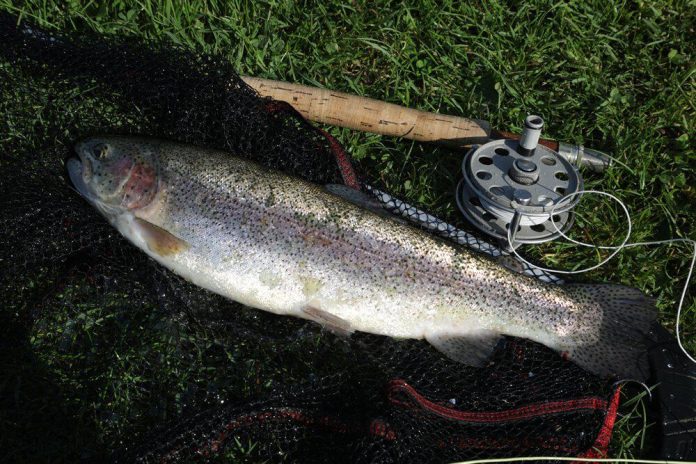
(369, 115)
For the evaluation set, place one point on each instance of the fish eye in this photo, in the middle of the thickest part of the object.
(100, 151)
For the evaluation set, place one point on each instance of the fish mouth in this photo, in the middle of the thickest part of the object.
(81, 150)
(75, 171)
(80, 172)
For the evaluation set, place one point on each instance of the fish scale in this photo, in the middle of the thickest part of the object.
(280, 244)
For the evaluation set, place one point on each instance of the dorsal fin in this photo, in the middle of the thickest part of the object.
(361, 199)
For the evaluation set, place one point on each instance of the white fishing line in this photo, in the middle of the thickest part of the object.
(642, 384)
(555, 458)
(617, 249)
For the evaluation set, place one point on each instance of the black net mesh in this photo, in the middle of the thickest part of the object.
(241, 384)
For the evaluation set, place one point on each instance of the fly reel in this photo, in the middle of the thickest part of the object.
(519, 186)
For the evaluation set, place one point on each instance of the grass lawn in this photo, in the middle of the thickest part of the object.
(616, 76)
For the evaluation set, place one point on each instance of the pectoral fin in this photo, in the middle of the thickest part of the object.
(330, 322)
(159, 240)
(472, 349)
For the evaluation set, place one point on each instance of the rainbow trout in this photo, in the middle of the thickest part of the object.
(280, 244)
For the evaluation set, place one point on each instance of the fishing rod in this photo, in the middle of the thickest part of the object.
(509, 181)
(369, 115)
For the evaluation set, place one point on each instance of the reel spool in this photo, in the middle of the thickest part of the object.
(511, 184)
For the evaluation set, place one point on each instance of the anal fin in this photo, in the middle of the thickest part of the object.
(472, 349)
(330, 322)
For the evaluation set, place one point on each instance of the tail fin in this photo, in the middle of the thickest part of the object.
(621, 348)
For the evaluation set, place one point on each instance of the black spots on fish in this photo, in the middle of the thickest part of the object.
(263, 210)
(516, 292)
(270, 199)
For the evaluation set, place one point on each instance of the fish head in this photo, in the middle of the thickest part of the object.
(115, 174)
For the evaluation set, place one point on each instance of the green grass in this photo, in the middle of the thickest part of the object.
(617, 76)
